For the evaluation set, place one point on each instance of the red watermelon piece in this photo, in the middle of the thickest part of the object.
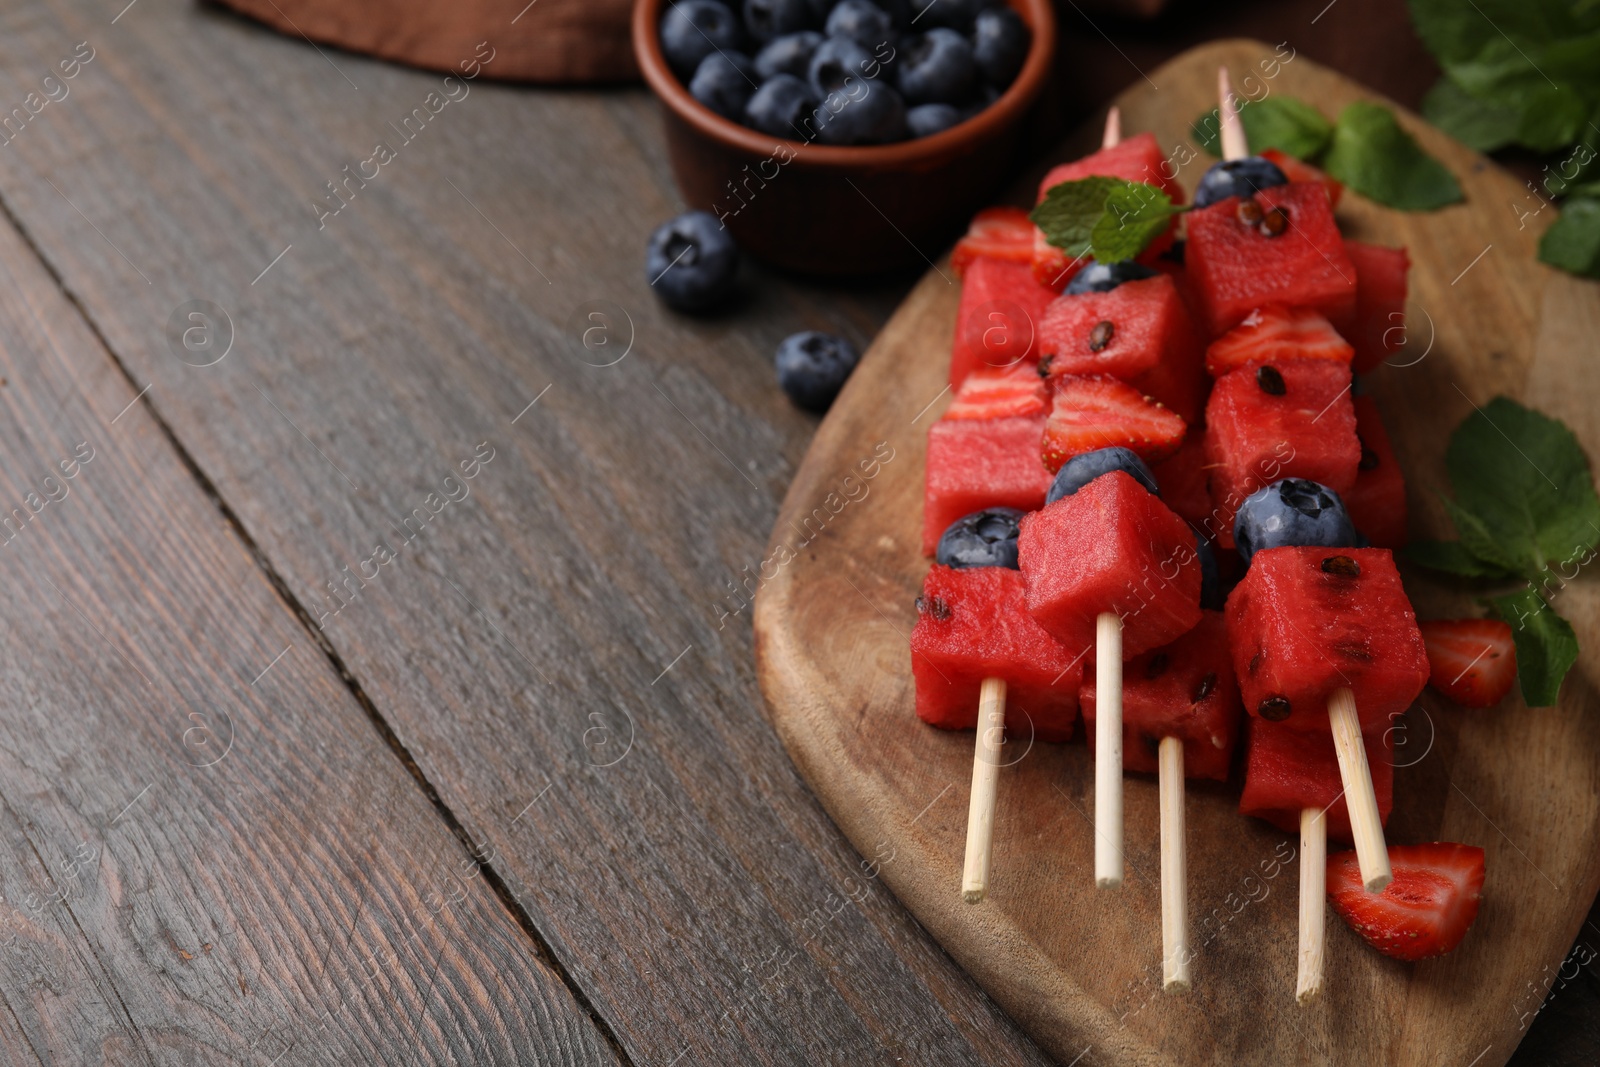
(980, 463)
(997, 324)
(998, 392)
(1376, 325)
(1139, 332)
(1254, 436)
(1377, 502)
(1297, 170)
(1277, 332)
(972, 624)
(1091, 411)
(1185, 481)
(995, 233)
(1289, 770)
(1111, 547)
(1307, 621)
(1235, 267)
(1184, 690)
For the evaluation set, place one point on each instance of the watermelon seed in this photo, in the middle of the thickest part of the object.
(1101, 335)
(1203, 690)
(1044, 366)
(1275, 224)
(1341, 565)
(1255, 663)
(1157, 666)
(933, 606)
(1248, 212)
(1274, 709)
(1271, 381)
(1369, 459)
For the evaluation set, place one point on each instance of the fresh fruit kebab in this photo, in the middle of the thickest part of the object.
(976, 654)
(1180, 718)
(1109, 568)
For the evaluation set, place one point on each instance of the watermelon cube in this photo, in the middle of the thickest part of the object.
(1137, 159)
(1274, 333)
(1111, 547)
(997, 324)
(1287, 771)
(995, 233)
(1376, 325)
(1185, 481)
(1092, 411)
(1377, 502)
(1308, 621)
(981, 463)
(1269, 421)
(1236, 266)
(1139, 332)
(972, 624)
(1184, 690)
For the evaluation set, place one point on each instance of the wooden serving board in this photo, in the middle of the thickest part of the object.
(1080, 968)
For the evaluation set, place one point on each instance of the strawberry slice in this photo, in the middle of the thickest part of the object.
(1425, 911)
(1090, 411)
(1274, 333)
(1300, 171)
(998, 233)
(1471, 661)
(999, 392)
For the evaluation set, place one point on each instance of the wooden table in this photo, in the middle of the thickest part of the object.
(375, 688)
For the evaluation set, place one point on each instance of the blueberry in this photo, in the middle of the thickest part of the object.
(867, 113)
(782, 107)
(789, 54)
(861, 20)
(693, 29)
(1237, 177)
(1000, 43)
(723, 82)
(812, 367)
(1084, 468)
(1292, 512)
(925, 120)
(766, 19)
(691, 262)
(937, 68)
(840, 63)
(1211, 597)
(956, 14)
(1100, 277)
(981, 100)
(820, 10)
(985, 538)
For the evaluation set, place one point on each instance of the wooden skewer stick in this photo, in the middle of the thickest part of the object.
(1174, 870)
(1108, 750)
(1234, 145)
(1313, 902)
(1366, 824)
(1113, 135)
(985, 784)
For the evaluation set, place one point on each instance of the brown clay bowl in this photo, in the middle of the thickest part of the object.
(825, 209)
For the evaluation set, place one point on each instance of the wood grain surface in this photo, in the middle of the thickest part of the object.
(1079, 968)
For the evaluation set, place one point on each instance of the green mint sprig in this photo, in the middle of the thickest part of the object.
(1111, 219)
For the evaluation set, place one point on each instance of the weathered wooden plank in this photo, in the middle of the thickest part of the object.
(207, 851)
(550, 646)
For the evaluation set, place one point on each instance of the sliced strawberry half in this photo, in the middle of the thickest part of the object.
(999, 392)
(1471, 661)
(1300, 171)
(998, 233)
(1274, 333)
(1425, 911)
(1090, 411)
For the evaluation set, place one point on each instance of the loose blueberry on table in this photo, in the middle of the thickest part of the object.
(691, 262)
(812, 367)
(869, 71)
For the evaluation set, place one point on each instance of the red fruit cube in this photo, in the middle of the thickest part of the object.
(1300, 171)
(1000, 392)
(1376, 325)
(1268, 421)
(981, 463)
(1185, 481)
(1235, 265)
(1139, 332)
(972, 624)
(997, 324)
(1287, 771)
(1308, 621)
(995, 233)
(1091, 411)
(1377, 502)
(1111, 547)
(1275, 333)
(1184, 690)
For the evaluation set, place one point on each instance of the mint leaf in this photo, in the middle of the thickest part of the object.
(1135, 215)
(1573, 241)
(1552, 117)
(1291, 126)
(1546, 646)
(1453, 557)
(1069, 211)
(1378, 159)
(1477, 538)
(1478, 124)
